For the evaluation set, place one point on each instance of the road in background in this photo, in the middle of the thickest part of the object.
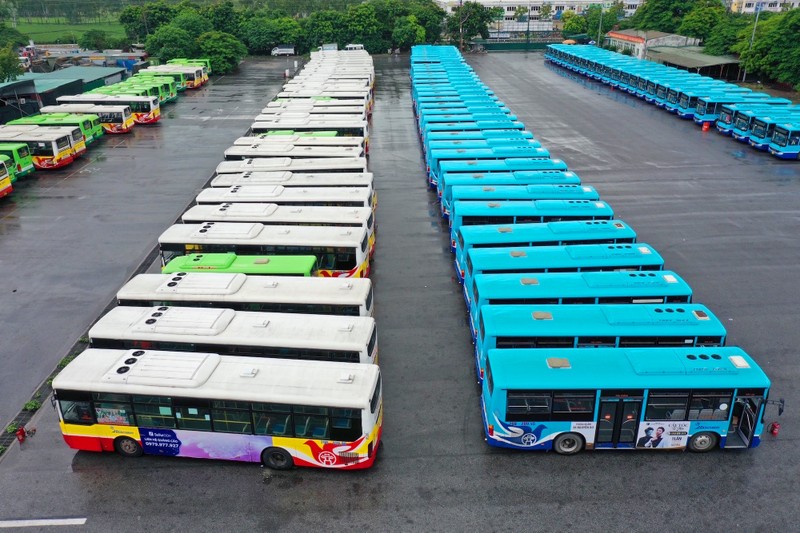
(723, 216)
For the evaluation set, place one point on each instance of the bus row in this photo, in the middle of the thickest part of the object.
(245, 347)
(765, 122)
(581, 337)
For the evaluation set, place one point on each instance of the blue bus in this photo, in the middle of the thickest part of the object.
(632, 398)
(687, 100)
(564, 258)
(725, 122)
(547, 234)
(675, 92)
(743, 119)
(478, 167)
(786, 141)
(544, 191)
(484, 135)
(519, 178)
(475, 213)
(471, 126)
(763, 128)
(426, 120)
(595, 326)
(708, 108)
(437, 157)
(571, 288)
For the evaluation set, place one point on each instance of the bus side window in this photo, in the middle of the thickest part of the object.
(76, 412)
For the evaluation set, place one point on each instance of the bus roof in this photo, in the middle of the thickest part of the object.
(31, 135)
(294, 179)
(254, 234)
(277, 214)
(541, 191)
(548, 231)
(625, 368)
(207, 375)
(330, 164)
(521, 208)
(581, 284)
(300, 265)
(298, 140)
(194, 325)
(99, 97)
(228, 287)
(512, 178)
(477, 166)
(490, 153)
(602, 320)
(282, 195)
(289, 150)
(564, 256)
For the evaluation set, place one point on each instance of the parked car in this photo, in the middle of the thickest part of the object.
(283, 50)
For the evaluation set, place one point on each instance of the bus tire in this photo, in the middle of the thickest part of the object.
(277, 459)
(127, 447)
(704, 441)
(568, 444)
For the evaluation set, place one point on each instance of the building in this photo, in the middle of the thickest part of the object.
(637, 42)
(749, 6)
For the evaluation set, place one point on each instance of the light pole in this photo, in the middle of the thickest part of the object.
(528, 30)
(600, 27)
(752, 37)
(460, 26)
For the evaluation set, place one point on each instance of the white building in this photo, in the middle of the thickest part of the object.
(749, 6)
(637, 42)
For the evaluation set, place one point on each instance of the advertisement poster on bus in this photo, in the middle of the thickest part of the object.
(663, 435)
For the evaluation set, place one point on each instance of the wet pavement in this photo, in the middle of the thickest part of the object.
(722, 215)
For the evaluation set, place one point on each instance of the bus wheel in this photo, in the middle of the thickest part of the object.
(127, 447)
(703, 442)
(277, 459)
(568, 444)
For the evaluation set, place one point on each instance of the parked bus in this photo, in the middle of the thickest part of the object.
(6, 187)
(253, 265)
(786, 141)
(21, 160)
(355, 127)
(595, 326)
(351, 339)
(539, 234)
(282, 215)
(204, 63)
(474, 213)
(145, 109)
(295, 179)
(727, 114)
(743, 119)
(505, 193)
(180, 78)
(478, 168)
(437, 159)
(169, 87)
(708, 108)
(296, 196)
(482, 125)
(609, 398)
(314, 112)
(287, 164)
(569, 288)
(193, 77)
(281, 137)
(49, 149)
(206, 406)
(238, 153)
(340, 252)
(763, 128)
(492, 179)
(77, 143)
(113, 119)
(90, 125)
(637, 257)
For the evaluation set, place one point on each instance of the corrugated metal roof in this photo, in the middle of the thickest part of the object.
(687, 56)
(87, 74)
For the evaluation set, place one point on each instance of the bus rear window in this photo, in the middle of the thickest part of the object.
(62, 142)
(23, 151)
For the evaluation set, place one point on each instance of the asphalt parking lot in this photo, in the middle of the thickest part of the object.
(722, 215)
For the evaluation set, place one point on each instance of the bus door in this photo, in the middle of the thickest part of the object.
(746, 409)
(618, 419)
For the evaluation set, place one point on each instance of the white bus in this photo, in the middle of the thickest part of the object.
(316, 112)
(273, 294)
(49, 149)
(114, 118)
(360, 97)
(145, 109)
(278, 194)
(209, 406)
(286, 215)
(340, 252)
(298, 140)
(343, 125)
(308, 103)
(287, 164)
(76, 139)
(295, 179)
(350, 339)
(239, 152)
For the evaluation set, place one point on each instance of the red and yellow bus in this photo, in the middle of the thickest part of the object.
(145, 109)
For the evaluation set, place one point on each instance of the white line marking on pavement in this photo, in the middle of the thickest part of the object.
(40, 522)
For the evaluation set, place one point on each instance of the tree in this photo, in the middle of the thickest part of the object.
(661, 15)
(139, 22)
(363, 27)
(468, 21)
(725, 34)
(10, 36)
(521, 14)
(222, 15)
(94, 40)
(192, 22)
(169, 42)
(223, 49)
(773, 55)
(407, 33)
(700, 22)
(9, 64)
(430, 16)
(260, 35)
(593, 18)
(573, 23)
(323, 27)
(546, 11)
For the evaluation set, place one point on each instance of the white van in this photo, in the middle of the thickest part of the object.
(354, 47)
(283, 50)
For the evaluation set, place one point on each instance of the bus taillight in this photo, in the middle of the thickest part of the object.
(369, 450)
(481, 374)
(491, 430)
(19, 166)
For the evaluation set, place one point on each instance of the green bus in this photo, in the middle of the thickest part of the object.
(90, 125)
(153, 89)
(282, 265)
(202, 62)
(20, 159)
(181, 78)
(168, 84)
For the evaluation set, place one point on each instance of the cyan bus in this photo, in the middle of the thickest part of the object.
(633, 398)
(474, 213)
(546, 191)
(572, 288)
(590, 326)
(786, 141)
(708, 108)
(763, 128)
(725, 122)
(687, 100)
(672, 103)
(438, 156)
(503, 124)
(742, 119)
(547, 234)
(637, 257)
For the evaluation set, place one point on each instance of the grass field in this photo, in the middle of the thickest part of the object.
(52, 32)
